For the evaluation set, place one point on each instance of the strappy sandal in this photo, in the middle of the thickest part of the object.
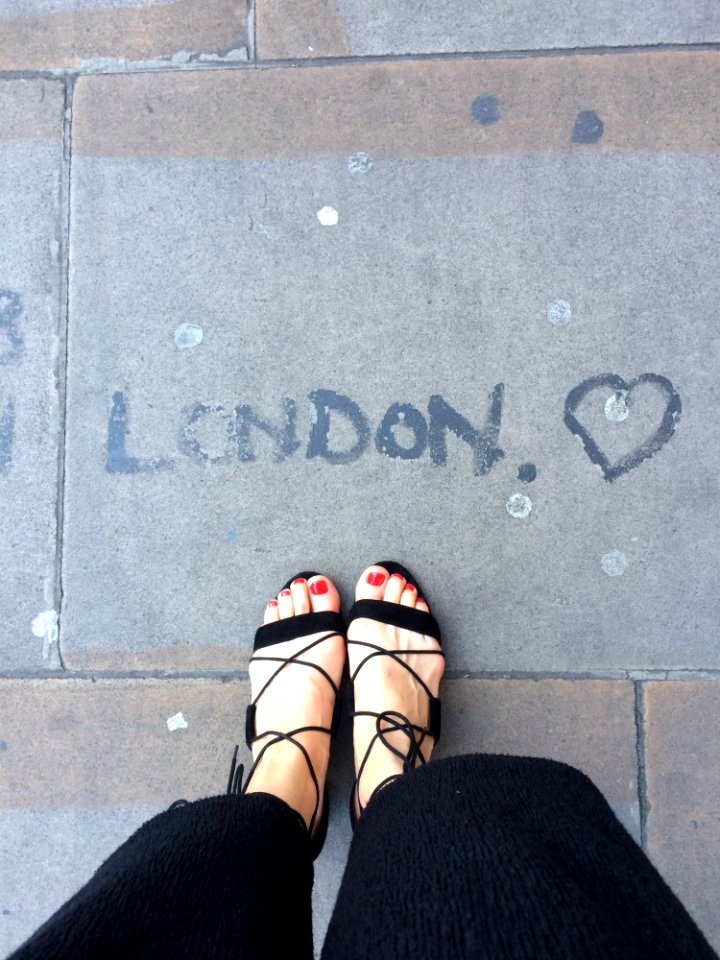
(330, 624)
(392, 721)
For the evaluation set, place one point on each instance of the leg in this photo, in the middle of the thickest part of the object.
(228, 876)
(502, 857)
(480, 856)
(196, 881)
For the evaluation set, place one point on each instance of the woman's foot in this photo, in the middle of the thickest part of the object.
(383, 685)
(299, 696)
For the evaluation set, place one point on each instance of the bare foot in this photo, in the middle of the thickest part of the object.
(384, 685)
(299, 696)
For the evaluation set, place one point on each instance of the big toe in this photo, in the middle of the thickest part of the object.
(372, 583)
(323, 595)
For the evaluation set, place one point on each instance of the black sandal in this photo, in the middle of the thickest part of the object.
(269, 634)
(408, 619)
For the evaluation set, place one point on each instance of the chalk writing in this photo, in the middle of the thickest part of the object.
(7, 431)
(403, 433)
(118, 459)
(236, 431)
(611, 471)
(11, 351)
(11, 341)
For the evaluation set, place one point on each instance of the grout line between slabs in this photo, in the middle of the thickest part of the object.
(641, 762)
(252, 31)
(450, 675)
(161, 65)
(57, 661)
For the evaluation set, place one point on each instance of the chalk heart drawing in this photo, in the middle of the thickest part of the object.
(611, 471)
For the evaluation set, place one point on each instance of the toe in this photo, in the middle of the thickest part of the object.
(421, 605)
(323, 594)
(300, 596)
(394, 588)
(271, 612)
(408, 596)
(285, 604)
(372, 583)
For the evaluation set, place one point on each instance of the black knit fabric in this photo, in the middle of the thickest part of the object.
(502, 857)
(471, 857)
(224, 877)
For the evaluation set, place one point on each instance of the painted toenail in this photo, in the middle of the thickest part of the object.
(409, 586)
(284, 593)
(375, 579)
(318, 586)
(420, 600)
(298, 581)
(272, 603)
(399, 575)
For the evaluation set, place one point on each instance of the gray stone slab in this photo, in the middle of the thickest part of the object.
(50, 854)
(30, 172)
(489, 293)
(450, 26)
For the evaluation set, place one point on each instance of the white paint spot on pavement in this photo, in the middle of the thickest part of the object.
(614, 563)
(559, 313)
(188, 335)
(359, 163)
(177, 722)
(616, 408)
(328, 216)
(519, 506)
(45, 626)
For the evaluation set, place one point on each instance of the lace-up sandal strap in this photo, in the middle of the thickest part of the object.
(278, 737)
(396, 615)
(397, 656)
(301, 625)
(250, 728)
(397, 723)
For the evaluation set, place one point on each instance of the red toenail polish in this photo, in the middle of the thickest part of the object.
(319, 586)
(298, 581)
(420, 600)
(375, 579)
(409, 586)
(272, 603)
(398, 575)
(284, 593)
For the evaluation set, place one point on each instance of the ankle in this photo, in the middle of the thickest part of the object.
(283, 772)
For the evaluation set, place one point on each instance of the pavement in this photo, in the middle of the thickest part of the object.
(313, 284)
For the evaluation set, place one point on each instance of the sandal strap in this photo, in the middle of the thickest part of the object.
(396, 723)
(301, 625)
(266, 636)
(250, 729)
(235, 784)
(408, 618)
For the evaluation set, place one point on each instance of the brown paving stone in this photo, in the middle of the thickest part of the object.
(589, 724)
(31, 110)
(107, 742)
(683, 781)
(81, 743)
(293, 29)
(68, 38)
(651, 102)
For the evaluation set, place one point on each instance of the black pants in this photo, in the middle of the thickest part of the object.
(474, 856)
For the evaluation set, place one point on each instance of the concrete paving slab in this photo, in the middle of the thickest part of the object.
(335, 28)
(104, 759)
(31, 164)
(42, 34)
(506, 317)
(50, 854)
(589, 724)
(682, 760)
